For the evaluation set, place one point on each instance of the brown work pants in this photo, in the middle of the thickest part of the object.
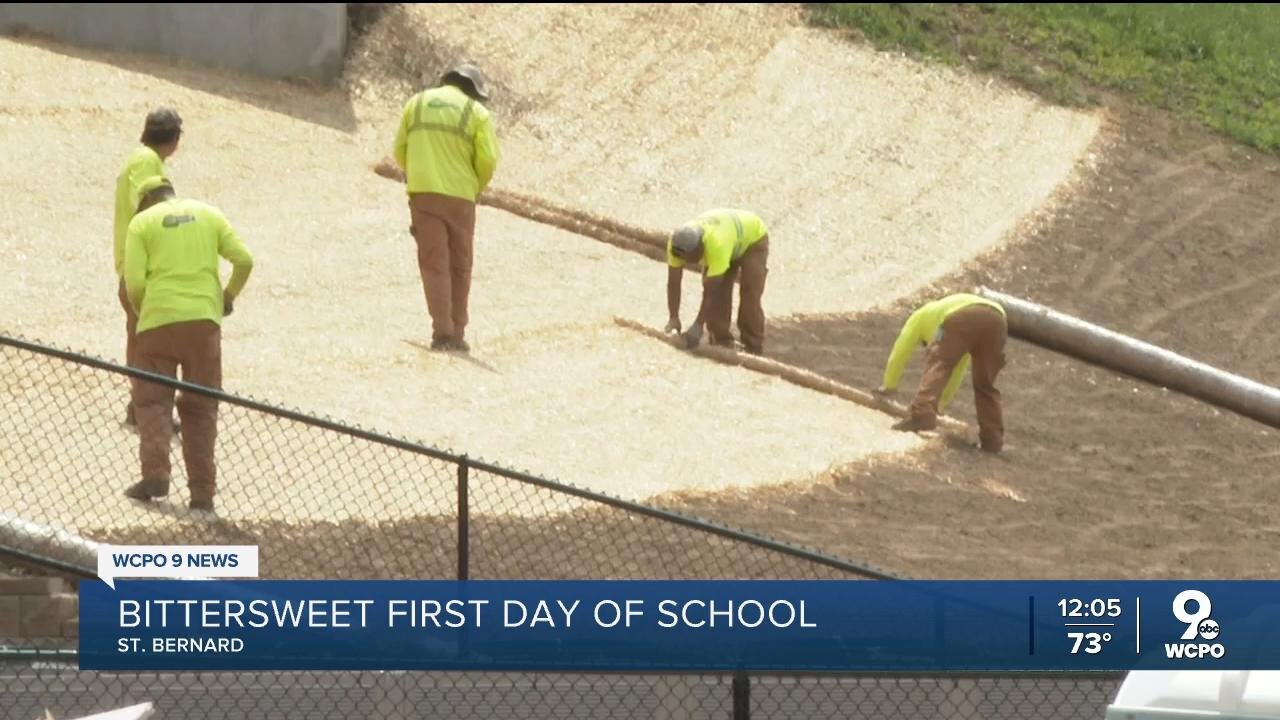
(196, 347)
(444, 228)
(130, 334)
(751, 268)
(979, 331)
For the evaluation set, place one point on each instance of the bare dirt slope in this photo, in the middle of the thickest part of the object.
(1173, 241)
(877, 174)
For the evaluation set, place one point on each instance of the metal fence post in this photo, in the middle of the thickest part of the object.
(741, 696)
(464, 520)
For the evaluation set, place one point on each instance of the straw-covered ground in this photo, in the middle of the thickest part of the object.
(877, 174)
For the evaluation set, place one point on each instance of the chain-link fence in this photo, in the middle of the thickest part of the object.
(326, 500)
(27, 690)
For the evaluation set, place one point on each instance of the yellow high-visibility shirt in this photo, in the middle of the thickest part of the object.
(446, 144)
(171, 263)
(727, 234)
(142, 164)
(922, 328)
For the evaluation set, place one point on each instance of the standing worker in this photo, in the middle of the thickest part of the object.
(448, 151)
(729, 243)
(172, 281)
(955, 328)
(160, 136)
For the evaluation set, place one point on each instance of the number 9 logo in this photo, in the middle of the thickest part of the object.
(1203, 609)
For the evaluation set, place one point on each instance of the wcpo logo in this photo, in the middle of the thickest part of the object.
(1200, 626)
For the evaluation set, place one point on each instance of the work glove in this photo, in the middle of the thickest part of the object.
(228, 305)
(673, 325)
(693, 337)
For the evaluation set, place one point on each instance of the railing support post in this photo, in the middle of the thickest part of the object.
(741, 696)
(464, 520)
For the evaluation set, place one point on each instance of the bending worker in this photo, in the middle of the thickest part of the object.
(448, 152)
(160, 135)
(955, 328)
(171, 277)
(729, 243)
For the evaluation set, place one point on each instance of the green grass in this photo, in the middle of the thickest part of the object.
(1218, 64)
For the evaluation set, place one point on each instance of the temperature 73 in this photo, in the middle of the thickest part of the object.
(1092, 642)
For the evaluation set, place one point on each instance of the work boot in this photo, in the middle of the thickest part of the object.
(204, 504)
(913, 424)
(450, 344)
(147, 489)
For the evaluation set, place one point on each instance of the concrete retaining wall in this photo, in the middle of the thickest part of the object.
(307, 40)
(37, 609)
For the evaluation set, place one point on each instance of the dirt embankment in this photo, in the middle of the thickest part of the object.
(1173, 242)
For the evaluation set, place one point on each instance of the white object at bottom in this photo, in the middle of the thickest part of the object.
(133, 712)
(1221, 694)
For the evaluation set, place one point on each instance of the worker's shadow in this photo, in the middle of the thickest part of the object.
(211, 524)
(461, 356)
(963, 443)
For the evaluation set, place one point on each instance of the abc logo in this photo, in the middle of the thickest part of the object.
(1209, 629)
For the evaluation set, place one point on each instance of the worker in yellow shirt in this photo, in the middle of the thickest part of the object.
(448, 151)
(730, 244)
(171, 264)
(955, 329)
(160, 135)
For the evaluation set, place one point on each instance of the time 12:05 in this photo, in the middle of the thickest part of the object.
(1075, 608)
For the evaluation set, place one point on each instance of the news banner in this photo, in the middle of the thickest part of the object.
(165, 618)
